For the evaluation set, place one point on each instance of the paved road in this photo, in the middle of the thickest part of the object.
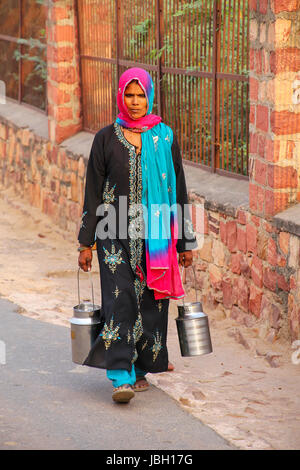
(47, 402)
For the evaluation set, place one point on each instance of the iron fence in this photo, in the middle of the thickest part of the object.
(197, 54)
(23, 52)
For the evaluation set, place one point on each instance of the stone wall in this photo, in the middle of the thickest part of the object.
(50, 177)
(248, 269)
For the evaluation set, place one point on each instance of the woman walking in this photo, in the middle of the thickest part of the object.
(135, 184)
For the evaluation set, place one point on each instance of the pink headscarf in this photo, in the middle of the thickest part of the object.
(146, 83)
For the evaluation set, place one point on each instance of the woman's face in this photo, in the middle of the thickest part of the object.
(135, 101)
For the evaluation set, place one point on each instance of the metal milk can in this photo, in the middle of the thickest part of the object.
(85, 326)
(193, 328)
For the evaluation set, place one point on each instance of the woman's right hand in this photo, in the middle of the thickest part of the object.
(85, 259)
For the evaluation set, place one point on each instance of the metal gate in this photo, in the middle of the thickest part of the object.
(197, 54)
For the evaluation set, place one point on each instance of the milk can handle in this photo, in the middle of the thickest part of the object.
(89, 273)
(193, 267)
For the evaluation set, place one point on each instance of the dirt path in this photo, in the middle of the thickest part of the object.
(248, 390)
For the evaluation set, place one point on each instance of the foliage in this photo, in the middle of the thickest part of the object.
(37, 76)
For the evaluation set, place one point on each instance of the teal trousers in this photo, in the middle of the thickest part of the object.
(121, 376)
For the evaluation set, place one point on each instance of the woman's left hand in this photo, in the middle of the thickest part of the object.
(186, 258)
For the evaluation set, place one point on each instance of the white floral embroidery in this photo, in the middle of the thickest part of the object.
(155, 140)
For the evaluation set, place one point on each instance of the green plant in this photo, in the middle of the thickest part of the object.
(40, 68)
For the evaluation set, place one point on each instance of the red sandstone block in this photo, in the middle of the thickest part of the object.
(215, 277)
(74, 211)
(263, 6)
(223, 231)
(260, 173)
(281, 261)
(262, 118)
(251, 233)
(290, 149)
(253, 90)
(284, 240)
(52, 73)
(241, 290)
(227, 292)
(282, 177)
(64, 114)
(231, 235)
(285, 122)
(269, 150)
(241, 240)
(242, 217)
(64, 54)
(261, 148)
(284, 5)
(66, 75)
(57, 96)
(265, 62)
(2, 149)
(258, 62)
(252, 114)
(235, 264)
(253, 196)
(272, 254)
(269, 227)
(275, 202)
(285, 60)
(64, 33)
(63, 97)
(260, 199)
(256, 220)
(59, 13)
(255, 299)
(293, 283)
(270, 279)
(63, 132)
(253, 143)
(282, 283)
(245, 268)
(257, 271)
(3, 131)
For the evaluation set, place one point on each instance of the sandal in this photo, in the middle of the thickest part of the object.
(170, 367)
(123, 394)
(141, 384)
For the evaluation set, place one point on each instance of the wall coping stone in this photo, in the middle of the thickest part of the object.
(289, 220)
(25, 117)
(79, 144)
(221, 193)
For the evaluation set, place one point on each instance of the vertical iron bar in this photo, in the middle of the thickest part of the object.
(158, 33)
(218, 67)
(80, 61)
(118, 7)
(21, 51)
(214, 87)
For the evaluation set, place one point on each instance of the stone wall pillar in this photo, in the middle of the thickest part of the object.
(63, 85)
(274, 105)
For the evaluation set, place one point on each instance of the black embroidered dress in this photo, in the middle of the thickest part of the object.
(135, 329)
